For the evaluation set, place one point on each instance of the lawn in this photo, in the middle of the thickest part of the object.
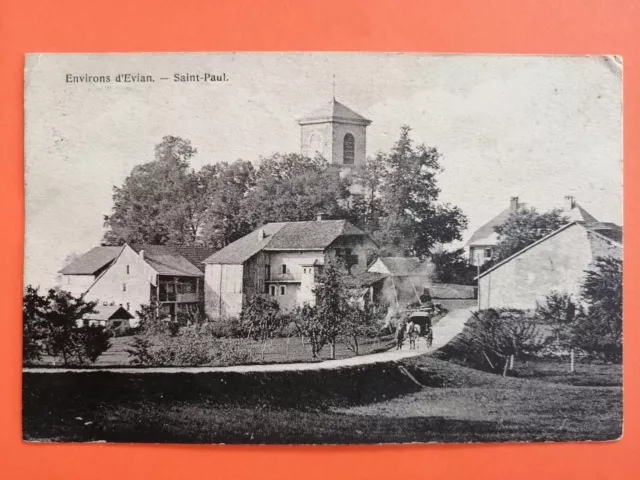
(368, 404)
(291, 349)
(278, 350)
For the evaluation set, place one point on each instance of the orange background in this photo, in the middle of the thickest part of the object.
(490, 26)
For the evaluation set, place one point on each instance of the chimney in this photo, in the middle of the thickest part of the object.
(569, 203)
(514, 205)
(320, 216)
(141, 254)
(261, 234)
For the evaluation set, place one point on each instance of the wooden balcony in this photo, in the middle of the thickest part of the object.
(284, 278)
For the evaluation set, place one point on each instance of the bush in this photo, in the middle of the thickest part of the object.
(140, 352)
(95, 341)
(498, 335)
(172, 328)
(51, 326)
(186, 350)
(123, 330)
(225, 328)
(189, 349)
(599, 330)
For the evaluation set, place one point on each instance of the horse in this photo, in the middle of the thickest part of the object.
(413, 331)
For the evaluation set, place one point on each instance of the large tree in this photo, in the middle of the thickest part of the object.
(401, 199)
(599, 330)
(292, 187)
(523, 228)
(160, 201)
(226, 186)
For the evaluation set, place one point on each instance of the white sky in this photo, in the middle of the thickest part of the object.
(535, 127)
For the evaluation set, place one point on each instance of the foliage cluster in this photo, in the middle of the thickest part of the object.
(53, 325)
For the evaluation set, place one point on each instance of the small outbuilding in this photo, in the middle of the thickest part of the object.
(110, 316)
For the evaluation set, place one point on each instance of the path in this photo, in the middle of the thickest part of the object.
(443, 332)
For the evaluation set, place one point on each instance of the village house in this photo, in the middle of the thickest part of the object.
(556, 262)
(404, 279)
(130, 276)
(282, 260)
(481, 244)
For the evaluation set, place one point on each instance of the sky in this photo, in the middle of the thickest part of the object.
(535, 127)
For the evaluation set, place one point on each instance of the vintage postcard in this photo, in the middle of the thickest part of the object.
(312, 248)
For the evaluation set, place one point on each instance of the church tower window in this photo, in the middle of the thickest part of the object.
(348, 149)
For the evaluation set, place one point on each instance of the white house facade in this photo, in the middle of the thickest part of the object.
(283, 261)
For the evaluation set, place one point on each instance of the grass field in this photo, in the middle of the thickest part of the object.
(278, 350)
(369, 404)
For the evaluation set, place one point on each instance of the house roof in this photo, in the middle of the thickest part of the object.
(92, 261)
(402, 266)
(577, 213)
(110, 312)
(334, 111)
(607, 229)
(597, 228)
(312, 235)
(193, 254)
(168, 260)
(486, 234)
(365, 279)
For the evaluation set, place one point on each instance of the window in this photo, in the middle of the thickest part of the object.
(124, 287)
(283, 290)
(348, 149)
(304, 270)
(272, 290)
(487, 253)
(128, 270)
(284, 269)
(267, 272)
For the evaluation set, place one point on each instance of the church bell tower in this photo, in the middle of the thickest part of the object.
(337, 133)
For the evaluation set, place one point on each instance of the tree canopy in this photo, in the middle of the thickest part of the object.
(523, 228)
(399, 201)
(165, 201)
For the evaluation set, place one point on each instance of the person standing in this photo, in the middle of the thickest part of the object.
(400, 330)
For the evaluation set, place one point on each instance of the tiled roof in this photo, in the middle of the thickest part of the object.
(402, 266)
(109, 312)
(312, 235)
(486, 234)
(334, 111)
(92, 261)
(247, 246)
(196, 255)
(577, 213)
(168, 260)
(364, 279)
(607, 229)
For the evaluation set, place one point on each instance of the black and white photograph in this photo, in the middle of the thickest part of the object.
(322, 248)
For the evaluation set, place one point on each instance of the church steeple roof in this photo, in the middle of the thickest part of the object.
(334, 111)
